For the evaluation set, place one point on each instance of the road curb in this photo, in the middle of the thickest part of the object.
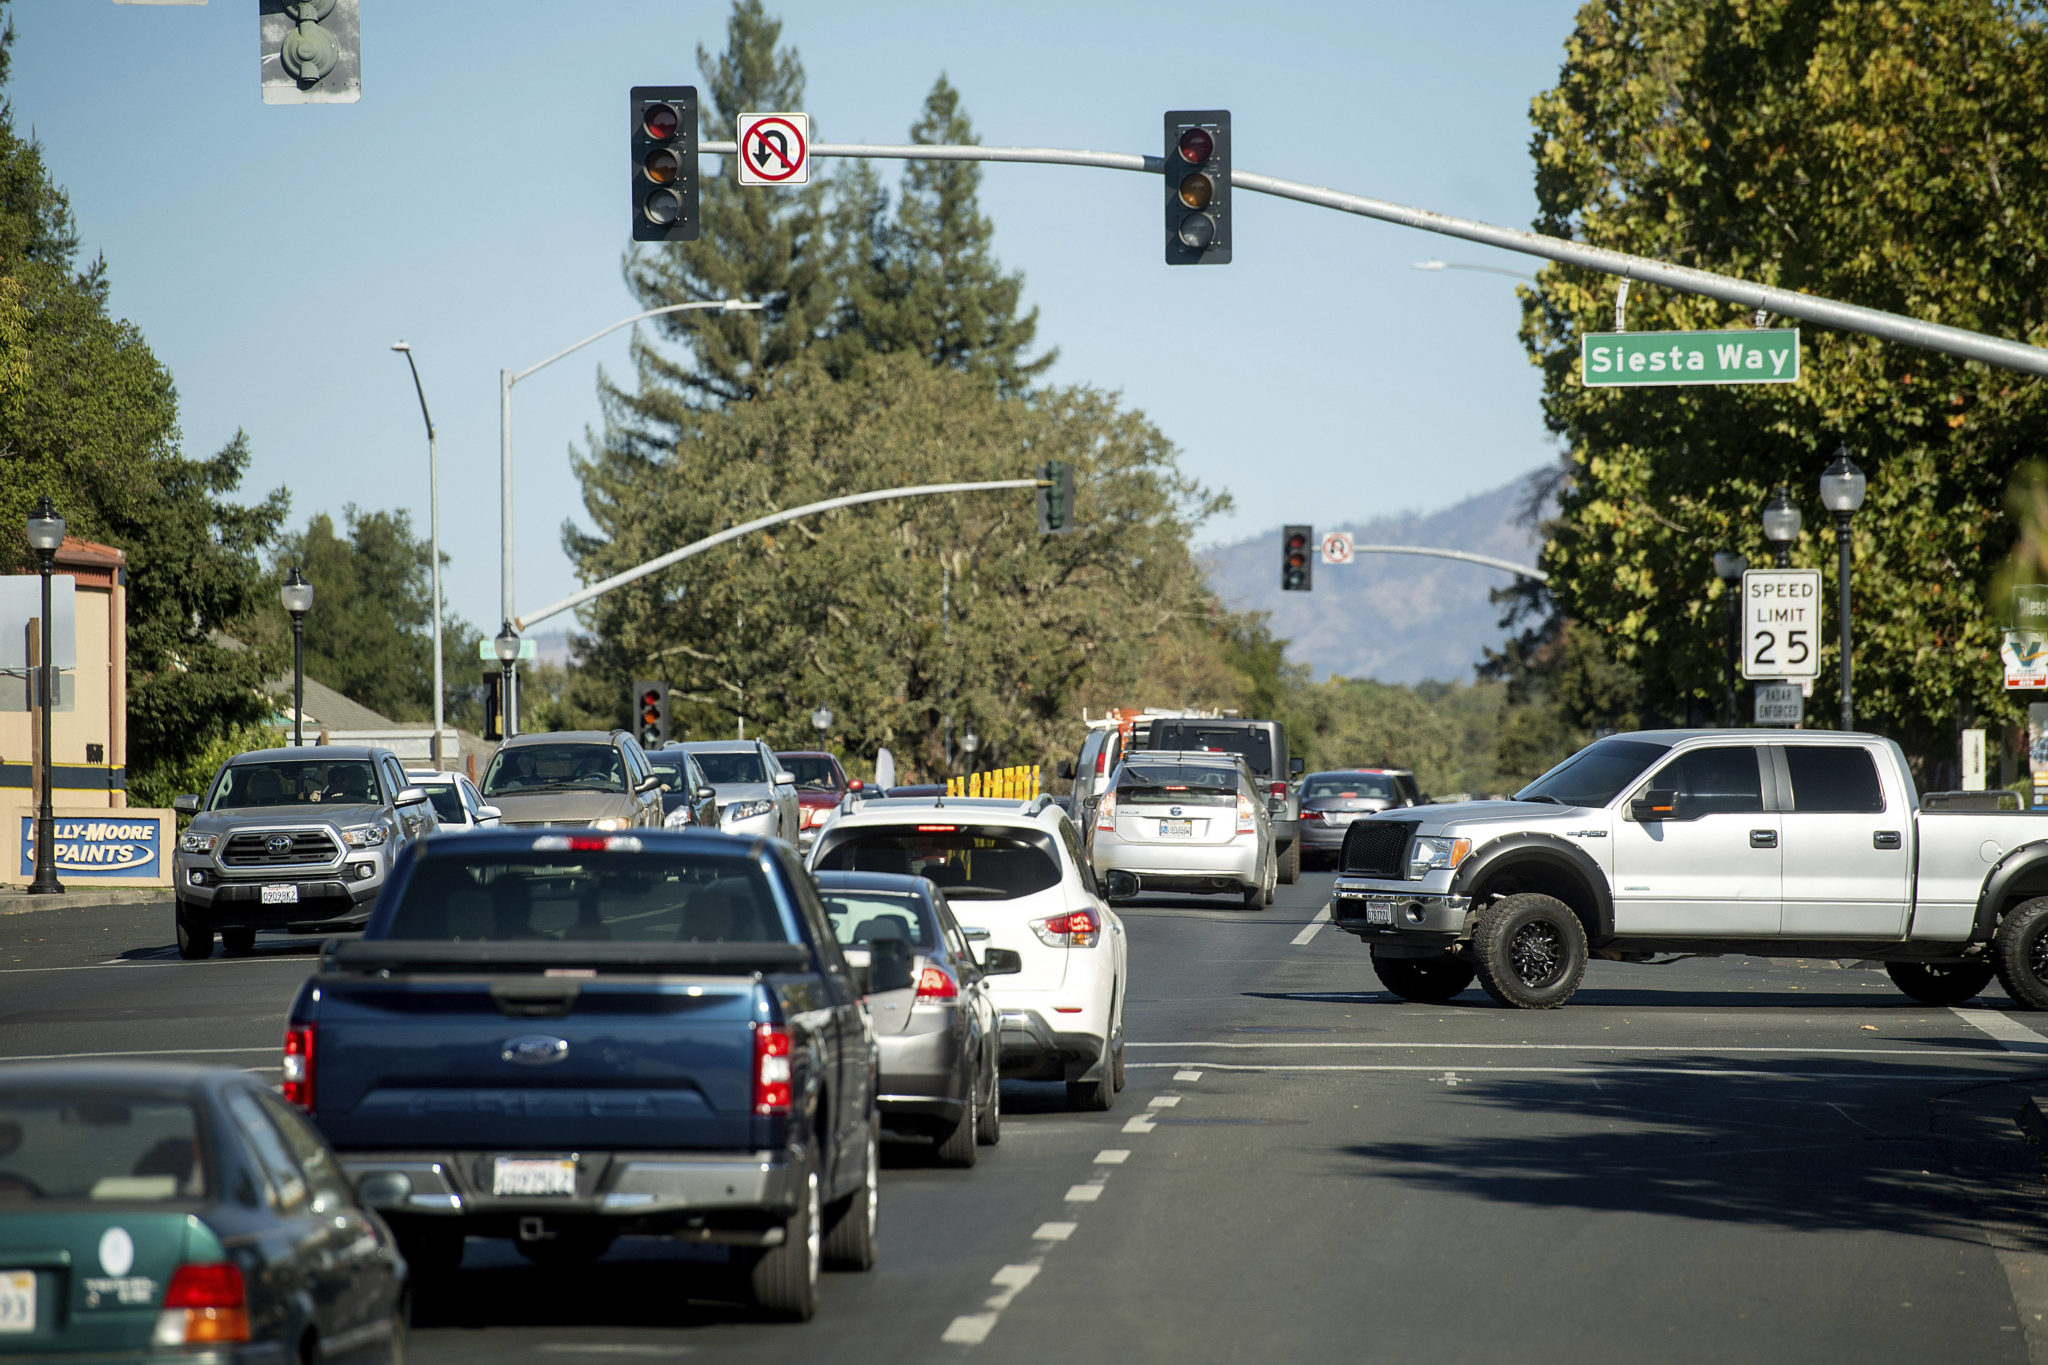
(20, 902)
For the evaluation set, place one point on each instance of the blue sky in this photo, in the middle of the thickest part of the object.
(473, 204)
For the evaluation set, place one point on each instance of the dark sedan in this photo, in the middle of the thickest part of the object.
(940, 1046)
(1330, 801)
(183, 1210)
(687, 800)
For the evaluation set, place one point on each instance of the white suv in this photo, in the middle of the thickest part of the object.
(1016, 878)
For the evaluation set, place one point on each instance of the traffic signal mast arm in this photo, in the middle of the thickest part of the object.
(1848, 317)
(1505, 565)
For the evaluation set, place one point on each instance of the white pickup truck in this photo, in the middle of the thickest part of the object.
(1762, 842)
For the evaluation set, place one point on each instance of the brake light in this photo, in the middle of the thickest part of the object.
(938, 829)
(934, 984)
(1105, 812)
(1309, 813)
(1279, 789)
(1079, 929)
(298, 1066)
(204, 1304)
(772, 1070)
(1245, 821)
(1102, 759)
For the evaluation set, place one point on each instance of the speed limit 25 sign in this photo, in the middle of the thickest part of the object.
(1781, 623)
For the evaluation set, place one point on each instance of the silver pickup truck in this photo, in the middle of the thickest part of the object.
(1767, 843)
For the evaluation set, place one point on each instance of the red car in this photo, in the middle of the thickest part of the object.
(820, 784)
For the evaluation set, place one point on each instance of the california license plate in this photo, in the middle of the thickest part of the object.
(1176, 829)
(534, 1175)
(1379, 912)
(17, 1301)
(281, 893)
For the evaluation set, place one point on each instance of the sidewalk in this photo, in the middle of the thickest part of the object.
(15, 901)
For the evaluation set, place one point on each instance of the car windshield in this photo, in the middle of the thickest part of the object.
(1200, 783)
(965, 861)
(295, 782)
(555, 767)
(99, 1146)
(1347, 787)
(1252, 744)
(1594, 775)
(447, 801)
(602, 895)
(813, 774)
(670, 768)
(732, 768)
(861, 917)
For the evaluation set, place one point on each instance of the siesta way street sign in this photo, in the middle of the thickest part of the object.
(1629, 359)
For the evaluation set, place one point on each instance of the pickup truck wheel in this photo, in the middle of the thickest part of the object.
(195, 940)
(956, 1146)
(1290, 865)
(784, 1279)
(2019, 954)
(850, 1238)
(1425, 980)
(1940, 983)
(1529, 951)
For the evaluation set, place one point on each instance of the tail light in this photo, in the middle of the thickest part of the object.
(204, 1304)
(298, 1066)
(1078, 929)
(1246, 823)
(1105, 812)
(772, 1070)
(1279, 789)
(933, 983)
(1311, 814)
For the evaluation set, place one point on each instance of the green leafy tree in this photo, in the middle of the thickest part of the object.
(1890, 153)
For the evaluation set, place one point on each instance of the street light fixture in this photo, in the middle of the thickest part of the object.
(1461, 265)
(1729, 568)
(1841, 492)
(969, 742)
(434, 539)
(821, 721)
(506, 646)
(45, 534)
(1782, 521)
(297, 596)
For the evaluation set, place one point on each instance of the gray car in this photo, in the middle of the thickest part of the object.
(756, 794)
(1193, 822)
(594, 778)
(293, 839)
(941, 1049)
(1330, 801)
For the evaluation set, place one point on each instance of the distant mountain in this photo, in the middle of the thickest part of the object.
(1397, 618)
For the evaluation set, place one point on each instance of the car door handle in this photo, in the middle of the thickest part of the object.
(1763, 838)
(1886, 838)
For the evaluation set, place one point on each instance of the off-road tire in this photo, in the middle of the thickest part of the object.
(238, 942)
(195, 940)
(2019, 953)
(1940, 983)
(1529, 951)
(989, 1131)
(1424, 980)
(1290, 865)
(956, 1146)
(784, 1279)
(851, 1241)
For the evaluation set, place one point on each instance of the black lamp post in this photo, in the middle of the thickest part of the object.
(1841, 492)
(1729, 568)
(297, 596)
(507, 648)
(1781, 525)
(45, 534)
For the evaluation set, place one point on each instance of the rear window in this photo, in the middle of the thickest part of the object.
(1195, 783)
(447, 801)
(861, 917)
(732, 768)
(99, 1147)
(1834, 779)
(967, 862)
(1349, 787)
(599, 896)
(555, 767)
(1255, 745)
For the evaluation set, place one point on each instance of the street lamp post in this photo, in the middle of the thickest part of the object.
(297, 596)
(434, 537)
(1729, 568)
(506, 646)
(45, 534)
(1781, 525)
(1841, 492)
(821, 721)
(969, 742)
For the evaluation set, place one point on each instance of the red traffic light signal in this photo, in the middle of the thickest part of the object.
(1197, 165)
(650, 713)
(1296, 565)
(665, 189)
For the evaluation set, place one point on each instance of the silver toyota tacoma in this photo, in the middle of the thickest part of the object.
(1760, 842)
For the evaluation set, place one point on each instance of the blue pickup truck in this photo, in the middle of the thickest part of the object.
(562, 1037)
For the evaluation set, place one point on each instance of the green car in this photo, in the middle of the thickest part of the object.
(152, 1212)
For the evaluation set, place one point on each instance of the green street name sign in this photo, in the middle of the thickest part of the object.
(1629, 359)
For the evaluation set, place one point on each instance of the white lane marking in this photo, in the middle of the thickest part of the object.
(1451, 1079)
(613, 1348)
(1083, 1194)
(1593, 1047)
(1187, 1075)
(1112, 1156)
(1646, 1070)
(158, 1052)
(2011, 1034)
(1014, 1277)
(1162, 1101)
(969, 1329)
(1141, 1124)
(299, 960)
(1322, 917)
(1054, 1232)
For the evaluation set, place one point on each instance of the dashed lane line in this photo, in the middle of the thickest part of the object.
(155, 1052)
(1142, 1124)
(1187, 1075)
(1322, 917)
(1162, 1102)
(1083, 1194)
(1054, 1232)
(1112, 1156)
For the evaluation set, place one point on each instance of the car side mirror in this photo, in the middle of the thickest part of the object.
(889, 965)
(1064, 770)
(411, 796)
(1654, 806)
(188, 804)
(489, 813)
(1001, 961)
(383, 1189)
(1296, 767)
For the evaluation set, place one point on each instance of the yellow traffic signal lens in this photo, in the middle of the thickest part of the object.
(661, 166)
(1197, 190)
(1196, 146)
(660, 121)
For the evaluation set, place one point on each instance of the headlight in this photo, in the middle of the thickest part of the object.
(371, 835)
(613, 822)
(679, 818)
(1426, 855)
(198, 843)
(817, 815)
(746, 810)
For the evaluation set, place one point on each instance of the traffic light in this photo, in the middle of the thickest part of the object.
(665, 163)
(494, 707)
(650, 713)
(1056, 504)
(1197, 186)
(1297, 564)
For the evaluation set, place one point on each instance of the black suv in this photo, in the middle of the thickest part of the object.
(1262, 744)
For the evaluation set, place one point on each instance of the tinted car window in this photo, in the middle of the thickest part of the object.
(447, 802)
(310, 1151)
(1833, 778)
(965, 861)
(287, 1182)
(812, 774)
(599, 895)
(295, 782)
(555, 767)
(1594, 775)
(1253, 744)
(1184, 782)
(726, 769)
(1717, 781)
(1350, 786)
(98, 1146)
(861, 917)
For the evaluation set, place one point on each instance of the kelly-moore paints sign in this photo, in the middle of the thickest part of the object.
(1629, 359)
(119, 844)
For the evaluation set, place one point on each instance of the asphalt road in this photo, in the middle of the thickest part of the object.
(1715, 1160)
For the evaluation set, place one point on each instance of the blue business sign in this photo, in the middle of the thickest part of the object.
(99, 846)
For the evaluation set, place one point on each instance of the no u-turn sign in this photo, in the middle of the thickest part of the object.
(775, 149)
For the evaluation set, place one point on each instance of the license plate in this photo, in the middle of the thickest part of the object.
(534, 1175)
(281, 893)
(1176, 829)
(1379, 912)
(17, 1301)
